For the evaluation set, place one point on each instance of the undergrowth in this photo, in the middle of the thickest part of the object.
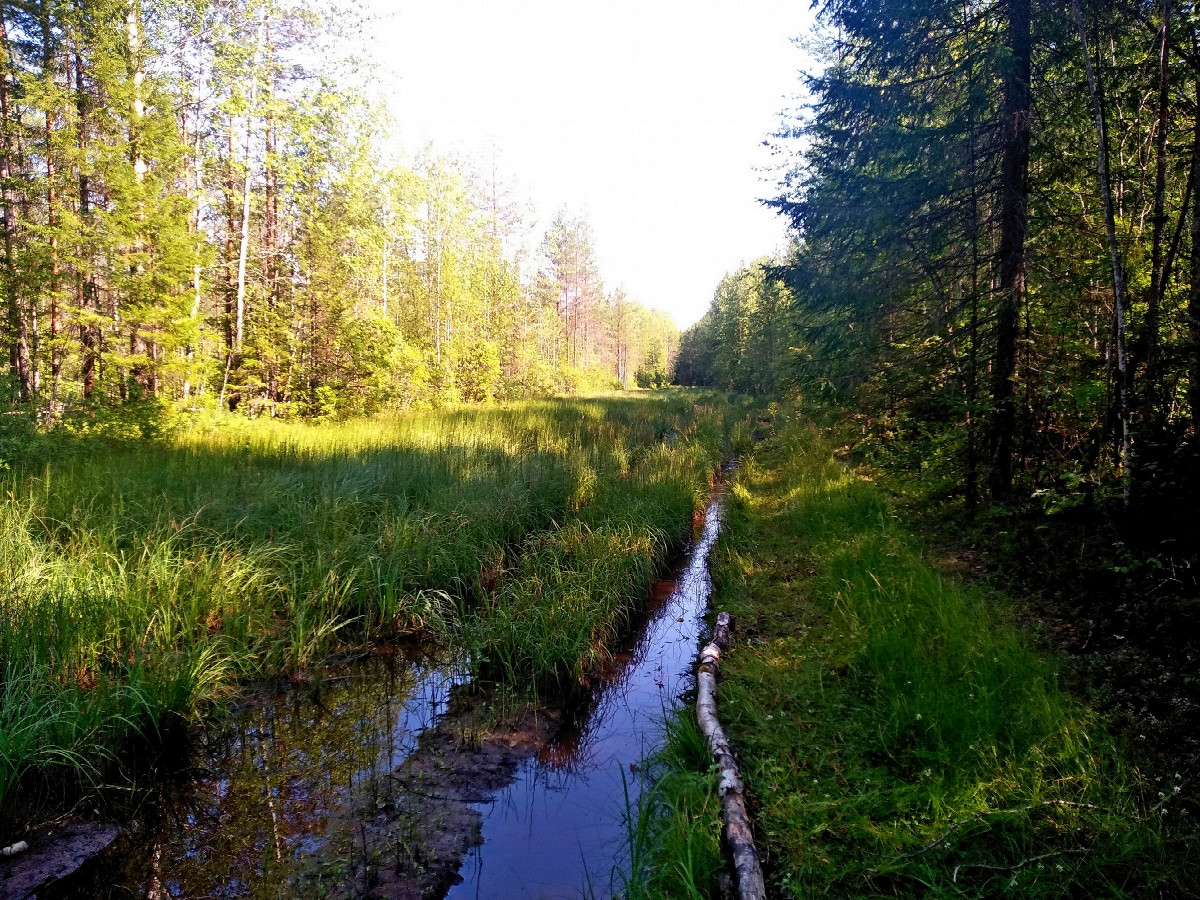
(897, 735)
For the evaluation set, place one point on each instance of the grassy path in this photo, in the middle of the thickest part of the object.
(897, 734)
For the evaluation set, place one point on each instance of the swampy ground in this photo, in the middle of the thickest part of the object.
(903, 730)
(152, 582)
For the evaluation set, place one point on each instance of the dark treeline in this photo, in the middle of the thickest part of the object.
(198, 208)
(965, 268)
(996, 268)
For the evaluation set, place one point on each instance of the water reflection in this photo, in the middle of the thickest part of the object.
(273, 782)
(558, 830)
(288, 783)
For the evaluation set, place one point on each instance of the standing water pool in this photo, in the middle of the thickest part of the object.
(560, 829)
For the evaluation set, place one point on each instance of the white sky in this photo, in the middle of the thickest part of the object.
(646, 116)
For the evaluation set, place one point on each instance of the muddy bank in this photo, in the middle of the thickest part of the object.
(262, 813)
(532, 802)
(427, 816)
(559, 829)
(54, 854)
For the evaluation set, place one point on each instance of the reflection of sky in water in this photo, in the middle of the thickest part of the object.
(429, 700)
(559, 830)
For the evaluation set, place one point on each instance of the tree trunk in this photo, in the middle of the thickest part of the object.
(243, 251)
(1114, 251)
(1193, 306)
(19, 351)
(1014, 193)
(233, 357)
(1151, 396)
(271, 237)
(196, 180)
(52, 287)
(90, 336)
(142, 373)
(230, 231)
(738, 836)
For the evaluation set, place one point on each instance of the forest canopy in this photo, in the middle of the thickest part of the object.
(997, 247)
(200, 209)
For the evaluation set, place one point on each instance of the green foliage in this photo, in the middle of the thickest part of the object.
(744, 342)
(553, 621)
(226, 234)
(897, 733)
(652, 373)
(479, 372)
(901, 198)
(678, 822)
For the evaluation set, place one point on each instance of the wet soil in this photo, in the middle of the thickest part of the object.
(414, 839)
(261, 816)
(55, 853)
(537, 807)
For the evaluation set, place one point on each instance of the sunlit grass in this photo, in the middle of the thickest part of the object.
(676, 836)
(146, 581)
(897, 733)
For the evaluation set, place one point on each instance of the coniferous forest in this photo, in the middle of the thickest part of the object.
(997, 247)
(996, 267)
(201, 210)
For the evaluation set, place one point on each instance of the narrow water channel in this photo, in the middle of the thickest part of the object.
(301, 790)
(559, 830)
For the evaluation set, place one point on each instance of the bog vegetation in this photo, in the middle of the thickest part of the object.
(996, 276)
(1014, 319)
(992, 300)
(994, 285)
(146, 580)
(201, 216)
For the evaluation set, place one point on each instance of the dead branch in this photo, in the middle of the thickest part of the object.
(954, 826)
(1015, 867)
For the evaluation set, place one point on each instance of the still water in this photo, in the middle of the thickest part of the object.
(559, 830)
(287, 782)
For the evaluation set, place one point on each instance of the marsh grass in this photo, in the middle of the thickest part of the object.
(675, 831)
(145, 581)
(898, 734)
(571, 591)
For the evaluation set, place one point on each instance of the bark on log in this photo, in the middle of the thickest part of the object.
(738, 836)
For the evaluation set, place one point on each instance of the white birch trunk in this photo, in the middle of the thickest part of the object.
(738, 835)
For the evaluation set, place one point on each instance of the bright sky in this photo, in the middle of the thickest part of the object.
(646, 116)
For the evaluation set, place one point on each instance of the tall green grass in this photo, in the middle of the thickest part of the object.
(572, 590)
(675, 831)
(146, 580)
(897, 732)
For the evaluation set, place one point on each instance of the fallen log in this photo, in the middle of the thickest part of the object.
(738, 837)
